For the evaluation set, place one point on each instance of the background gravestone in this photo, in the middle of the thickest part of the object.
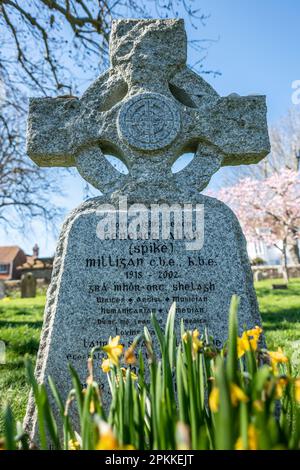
(2, 290)
(147, 110)
(28, 285)
(2, 352)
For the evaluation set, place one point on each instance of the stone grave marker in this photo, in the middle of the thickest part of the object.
(113, 266)
(2, 290)
(28, 286)
(2, 352)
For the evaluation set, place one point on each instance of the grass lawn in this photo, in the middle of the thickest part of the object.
(280, 310)
(21, 321)
(20, 325)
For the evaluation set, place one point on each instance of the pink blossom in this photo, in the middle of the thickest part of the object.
(268, 210)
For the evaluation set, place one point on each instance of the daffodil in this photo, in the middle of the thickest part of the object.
(214, 399)
(132, 374)
(113, 349)
(105, 365)
(73, 444)
(129, 356)
(197, 344)
(252, 440)
(277, 357)
(107, 441)
(297, 390)
(258, 405)
(237, 395)
(248, 341)
(280, 386)
(6, 299)
(243, 345)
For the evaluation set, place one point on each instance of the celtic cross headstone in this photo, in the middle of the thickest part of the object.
(147, 110)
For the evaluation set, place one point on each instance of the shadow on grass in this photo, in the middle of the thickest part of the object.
(16, 324)
(265, 291)
(281, 320)
(9, 310)
(30, 347)
(13, 365)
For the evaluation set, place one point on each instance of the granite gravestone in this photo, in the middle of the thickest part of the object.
(28, 286)
(147, 110)
(2, 290)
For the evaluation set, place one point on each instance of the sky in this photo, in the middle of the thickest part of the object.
(254, 44)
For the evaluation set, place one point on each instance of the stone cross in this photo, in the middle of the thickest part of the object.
(148, 109)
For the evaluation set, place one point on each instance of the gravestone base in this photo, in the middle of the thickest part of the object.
(103, 288)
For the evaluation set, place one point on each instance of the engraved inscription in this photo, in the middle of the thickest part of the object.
(149, 121)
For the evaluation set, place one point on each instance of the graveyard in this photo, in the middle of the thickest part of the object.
(168, 318)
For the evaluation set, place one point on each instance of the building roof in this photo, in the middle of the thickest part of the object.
(8, 253)
(36, 263)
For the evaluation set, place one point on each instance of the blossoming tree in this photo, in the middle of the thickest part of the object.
(268, 210)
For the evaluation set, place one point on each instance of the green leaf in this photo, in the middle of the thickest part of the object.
(38, 401)
(158, 332)
(9, 429)
(78, 390)
(225, 437)
(170, 334)
(232, 358)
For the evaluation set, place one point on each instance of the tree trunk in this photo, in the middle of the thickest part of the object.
(285, 270)
(294, 252)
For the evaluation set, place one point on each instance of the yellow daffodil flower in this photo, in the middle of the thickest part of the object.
(297, 390)
(248, 341)
(277, 357)
(197, 344)
(214, 399)
(132, 374)
(281, 383)
(258, 405)
(113, 349)
(107, 441)
(105, 365)
(237, 395)
(73, 444)
(129, 356)
(252, 440)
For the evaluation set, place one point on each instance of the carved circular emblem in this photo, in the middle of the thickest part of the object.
(149, 121)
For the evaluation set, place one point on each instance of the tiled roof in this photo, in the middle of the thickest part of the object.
(8, 253)
(37, 263)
